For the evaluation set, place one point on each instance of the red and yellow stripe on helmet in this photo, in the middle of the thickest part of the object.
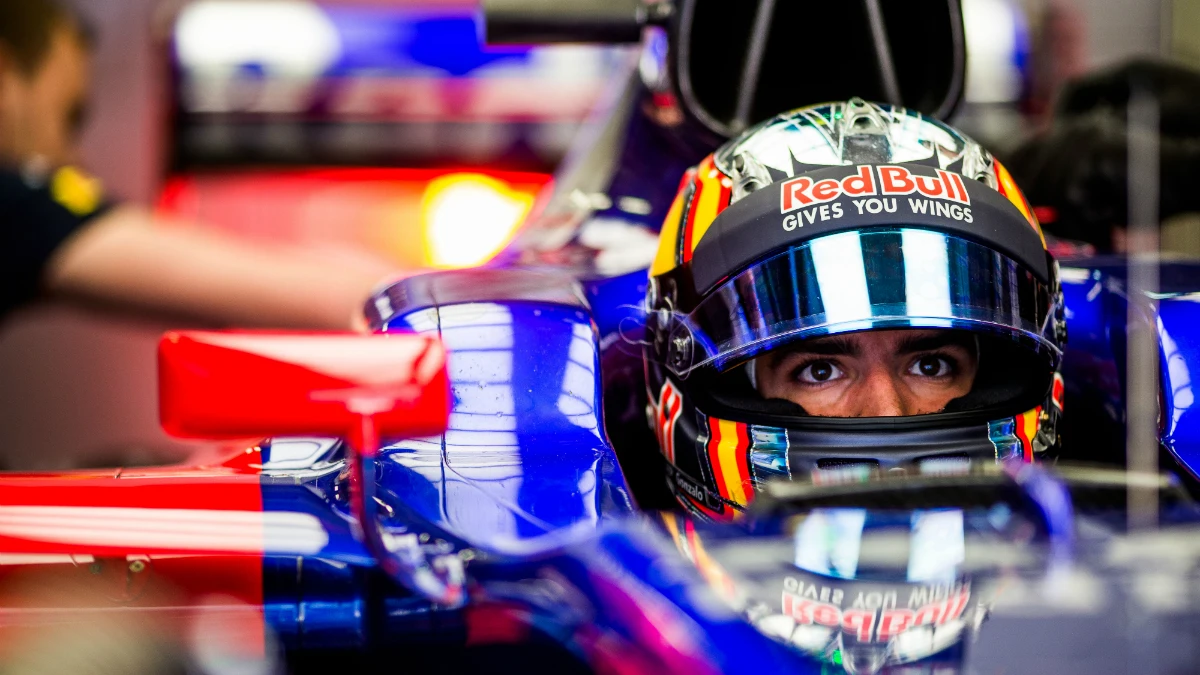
(703, 193)
(1008, 187)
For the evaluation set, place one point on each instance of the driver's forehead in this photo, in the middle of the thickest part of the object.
(881, 343)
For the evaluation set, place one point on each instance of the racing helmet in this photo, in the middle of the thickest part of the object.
(837, 219)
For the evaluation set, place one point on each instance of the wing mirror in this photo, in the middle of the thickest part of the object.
(217, 385)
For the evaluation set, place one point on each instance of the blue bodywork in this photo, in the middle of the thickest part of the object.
(526, 488)
(526, 483)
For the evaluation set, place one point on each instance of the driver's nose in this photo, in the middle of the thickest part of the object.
(881, 395)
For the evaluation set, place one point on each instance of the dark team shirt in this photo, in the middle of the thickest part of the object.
(38, 212)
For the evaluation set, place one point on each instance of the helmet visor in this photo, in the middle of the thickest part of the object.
(853, 281)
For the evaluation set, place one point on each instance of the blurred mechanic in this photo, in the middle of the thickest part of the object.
(61, 236)
(848, 285)
(1077, 169)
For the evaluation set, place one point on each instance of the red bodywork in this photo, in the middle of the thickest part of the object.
(173, 541)
(234, 385)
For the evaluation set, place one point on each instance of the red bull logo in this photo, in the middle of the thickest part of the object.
(869, 181)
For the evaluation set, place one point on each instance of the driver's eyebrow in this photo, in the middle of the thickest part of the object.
(925, 343)
(829, 346)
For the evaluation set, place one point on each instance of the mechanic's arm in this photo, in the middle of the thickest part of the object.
(124, 257)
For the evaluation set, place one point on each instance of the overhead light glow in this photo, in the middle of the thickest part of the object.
(284, 36)
(994, 34)
(156, 530)
(926, 273)
(468, 218)
(842, 277)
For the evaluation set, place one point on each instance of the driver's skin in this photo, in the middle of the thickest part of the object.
(890, 373)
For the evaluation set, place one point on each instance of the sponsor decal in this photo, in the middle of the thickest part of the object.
(940, 209)
(897, 180)
(694, 497)
(873, 190)
(666, 414)
(690, 488)
(803, 191)
(876, 615)
(823, 213)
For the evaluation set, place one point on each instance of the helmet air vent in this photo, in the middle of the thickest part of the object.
(839, 470)
(749, 175)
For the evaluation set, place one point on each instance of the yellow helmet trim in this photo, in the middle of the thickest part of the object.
(1008, 188)
(691, 214)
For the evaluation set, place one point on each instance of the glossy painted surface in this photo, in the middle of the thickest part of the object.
(1179, 336)
(1094, 364)
(524, 486)
(618, 307)
(627, 602)
(1093, 416)
(160, 541)
(356, 386)
(243, 384)
(525, 456)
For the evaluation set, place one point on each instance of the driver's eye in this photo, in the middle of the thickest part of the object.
(931, 366)
(818, 372)
(821, 371)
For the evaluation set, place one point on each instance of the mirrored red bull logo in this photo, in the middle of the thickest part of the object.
(875, 615)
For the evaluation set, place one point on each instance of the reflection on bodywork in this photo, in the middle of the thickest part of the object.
(510, 413)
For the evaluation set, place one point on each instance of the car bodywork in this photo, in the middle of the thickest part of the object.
(525, 487)
(536, 488)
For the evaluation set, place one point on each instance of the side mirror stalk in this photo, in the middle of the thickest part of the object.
(441, 580)
(215, 385)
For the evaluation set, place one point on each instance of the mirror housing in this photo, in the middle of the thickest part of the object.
(218, 385)
(359, 387)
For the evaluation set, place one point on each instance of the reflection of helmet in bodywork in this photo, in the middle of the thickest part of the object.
(860, 588)
(834, 219)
